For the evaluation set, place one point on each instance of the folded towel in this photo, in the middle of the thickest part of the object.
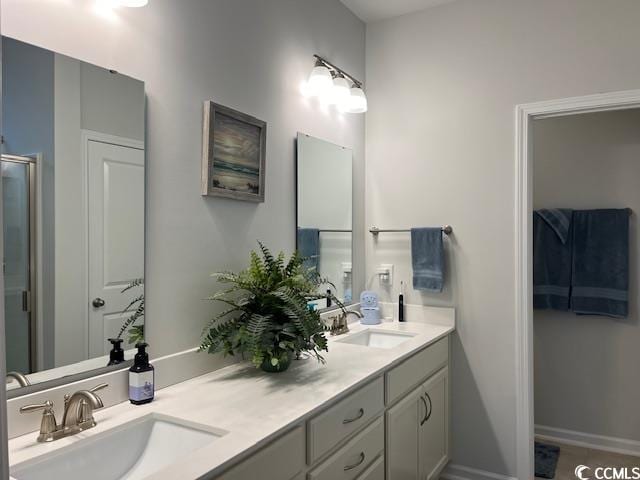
(559, 219)
(427, 257)
(600, 284)
(309, 247)
(552, 255)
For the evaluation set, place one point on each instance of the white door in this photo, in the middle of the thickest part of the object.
(403, 425)
(434, 429)
(116, 237)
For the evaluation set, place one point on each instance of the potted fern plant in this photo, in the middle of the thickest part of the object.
(268, 317)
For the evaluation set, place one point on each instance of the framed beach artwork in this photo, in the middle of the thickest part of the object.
(233, 154)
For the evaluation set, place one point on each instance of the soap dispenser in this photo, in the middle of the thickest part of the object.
(116, 355)
(141, 377)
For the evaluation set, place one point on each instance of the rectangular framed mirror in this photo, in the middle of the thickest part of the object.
(324, 211)
(73, 187)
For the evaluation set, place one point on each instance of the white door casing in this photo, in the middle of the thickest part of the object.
(525, 114)
(115, 174)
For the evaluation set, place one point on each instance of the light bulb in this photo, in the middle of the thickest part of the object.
(356, 102)
(338, 93)
(320, 81)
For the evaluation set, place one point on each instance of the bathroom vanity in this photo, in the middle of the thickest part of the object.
(356, 417)
(397, 423)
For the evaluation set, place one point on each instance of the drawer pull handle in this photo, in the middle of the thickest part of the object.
(357, 464)
(430, 407)
(426, 411)
(354, 419)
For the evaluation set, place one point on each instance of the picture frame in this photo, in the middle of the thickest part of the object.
(233, 154)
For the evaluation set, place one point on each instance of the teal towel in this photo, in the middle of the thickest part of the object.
(600, 284)
(427, 258)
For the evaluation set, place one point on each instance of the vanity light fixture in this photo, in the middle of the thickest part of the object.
(336, 87)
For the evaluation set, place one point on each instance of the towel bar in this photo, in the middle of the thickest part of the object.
(446, 229)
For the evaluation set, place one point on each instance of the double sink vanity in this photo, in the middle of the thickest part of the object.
(378, 408)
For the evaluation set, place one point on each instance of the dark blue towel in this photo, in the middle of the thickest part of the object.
(309, 247)
(600, 284)
(552, 256)
(427, 258)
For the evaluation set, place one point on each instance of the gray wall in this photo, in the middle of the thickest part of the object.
(111, 103)
(251, 55)
(442, 86)
(586, 367)
(28, 129)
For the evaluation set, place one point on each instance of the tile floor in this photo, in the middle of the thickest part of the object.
(572, 456)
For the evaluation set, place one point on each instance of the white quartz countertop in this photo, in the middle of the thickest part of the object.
(253, 406)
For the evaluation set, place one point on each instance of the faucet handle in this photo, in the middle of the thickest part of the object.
(100, 386)
(46, 406)
(48, 425)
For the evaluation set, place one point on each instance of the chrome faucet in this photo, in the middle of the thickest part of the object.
(77, 417)
(22, 380)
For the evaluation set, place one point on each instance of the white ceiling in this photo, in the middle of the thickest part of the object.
(375, 10)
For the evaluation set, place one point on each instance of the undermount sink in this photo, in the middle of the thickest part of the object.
(378, 338)
(128, 452)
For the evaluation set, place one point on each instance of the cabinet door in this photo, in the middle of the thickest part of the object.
(434, 426)
(403, 432)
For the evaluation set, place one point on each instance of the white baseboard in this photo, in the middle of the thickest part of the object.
(588, 440)
(460, 472)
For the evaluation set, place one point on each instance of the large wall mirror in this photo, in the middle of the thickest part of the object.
(324, 211)
(73, 196)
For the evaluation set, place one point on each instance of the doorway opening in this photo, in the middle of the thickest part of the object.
(526, 115)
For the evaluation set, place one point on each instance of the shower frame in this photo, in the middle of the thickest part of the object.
(29, 298)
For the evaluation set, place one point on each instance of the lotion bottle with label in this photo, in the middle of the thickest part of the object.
(141, 377)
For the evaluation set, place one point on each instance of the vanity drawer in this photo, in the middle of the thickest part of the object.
(280, 460)
(355, 457)
(375, 471)
(416, 369)
(329, 428)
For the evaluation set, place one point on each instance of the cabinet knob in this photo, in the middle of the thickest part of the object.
(98, 302)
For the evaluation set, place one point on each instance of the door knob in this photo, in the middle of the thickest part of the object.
(98, 302)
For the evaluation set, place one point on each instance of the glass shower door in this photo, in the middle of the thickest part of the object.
(17, 200)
